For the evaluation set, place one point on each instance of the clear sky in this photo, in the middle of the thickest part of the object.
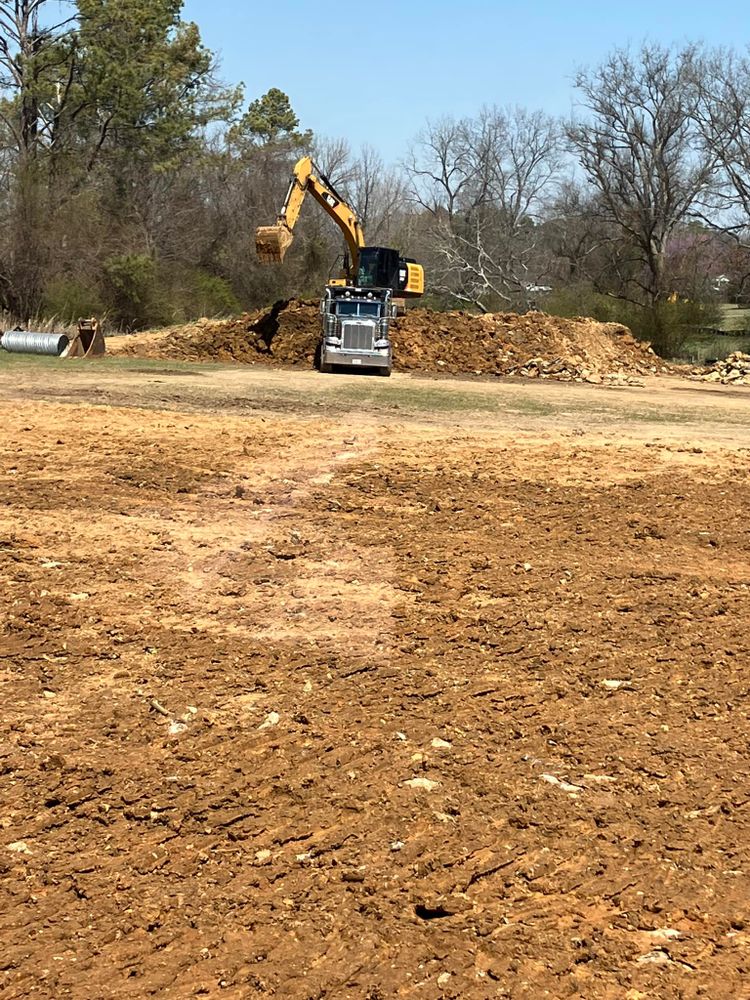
(374, 71)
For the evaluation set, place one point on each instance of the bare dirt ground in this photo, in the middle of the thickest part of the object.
(337, 687)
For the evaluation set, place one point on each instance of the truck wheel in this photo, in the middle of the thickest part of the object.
(383, 372)
(325, 369)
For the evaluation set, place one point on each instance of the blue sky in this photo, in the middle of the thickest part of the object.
(373, 72)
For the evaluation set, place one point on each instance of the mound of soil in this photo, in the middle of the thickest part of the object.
(534, 345)
(287, 333)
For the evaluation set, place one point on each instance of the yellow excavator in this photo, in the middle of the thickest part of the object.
(356, 308)
(365, 267)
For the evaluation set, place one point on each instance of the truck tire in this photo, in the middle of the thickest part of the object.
(383, 372)
(325, 369)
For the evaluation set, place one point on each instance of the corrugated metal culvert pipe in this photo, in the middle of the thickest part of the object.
(26, 342)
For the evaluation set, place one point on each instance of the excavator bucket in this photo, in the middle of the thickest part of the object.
(272, 243)
(88, 342)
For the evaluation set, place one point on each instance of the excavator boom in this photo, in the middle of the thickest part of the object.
(272, 242)
(368, 267)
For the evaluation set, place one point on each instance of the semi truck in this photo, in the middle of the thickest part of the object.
(356, 328)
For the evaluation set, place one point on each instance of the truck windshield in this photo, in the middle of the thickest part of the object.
(357, 308)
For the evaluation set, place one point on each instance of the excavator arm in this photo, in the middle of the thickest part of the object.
(272, 242)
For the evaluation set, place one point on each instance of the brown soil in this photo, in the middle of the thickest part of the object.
(345, 707)
(456, 342)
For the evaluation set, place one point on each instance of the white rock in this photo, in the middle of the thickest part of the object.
(564, 785)
(323, 480)
(272, 719)
(445, 818)
(665, 934)
(656, 957)
(443, 979)
(438, 744)
(19, 847)
(424, 783)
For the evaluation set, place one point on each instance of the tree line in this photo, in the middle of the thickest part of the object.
(132, 179)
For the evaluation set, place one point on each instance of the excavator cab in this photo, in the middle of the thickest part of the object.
(383, 267)
(378, 268)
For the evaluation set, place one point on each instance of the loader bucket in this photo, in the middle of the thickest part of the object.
(272, 243)
(88, 342)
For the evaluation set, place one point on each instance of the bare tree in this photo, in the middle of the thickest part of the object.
(639, 148)
(31, 34)
(579, 239)
(723, 116)
(484, 182)
(440, 166)
(378, 193)
(334, 157)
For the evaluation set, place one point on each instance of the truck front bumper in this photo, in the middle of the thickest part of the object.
(359, 359)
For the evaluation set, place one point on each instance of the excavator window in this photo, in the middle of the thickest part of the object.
(378, 268)
(367, 276)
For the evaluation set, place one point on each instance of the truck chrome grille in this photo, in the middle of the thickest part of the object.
(357, 336)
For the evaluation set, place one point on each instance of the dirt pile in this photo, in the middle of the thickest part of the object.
(286, 333)
(732, 370)
(534, 345)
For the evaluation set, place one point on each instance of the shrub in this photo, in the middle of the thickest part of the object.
(69, 300)
(130, 289)
(667, 326)
(197, 293)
